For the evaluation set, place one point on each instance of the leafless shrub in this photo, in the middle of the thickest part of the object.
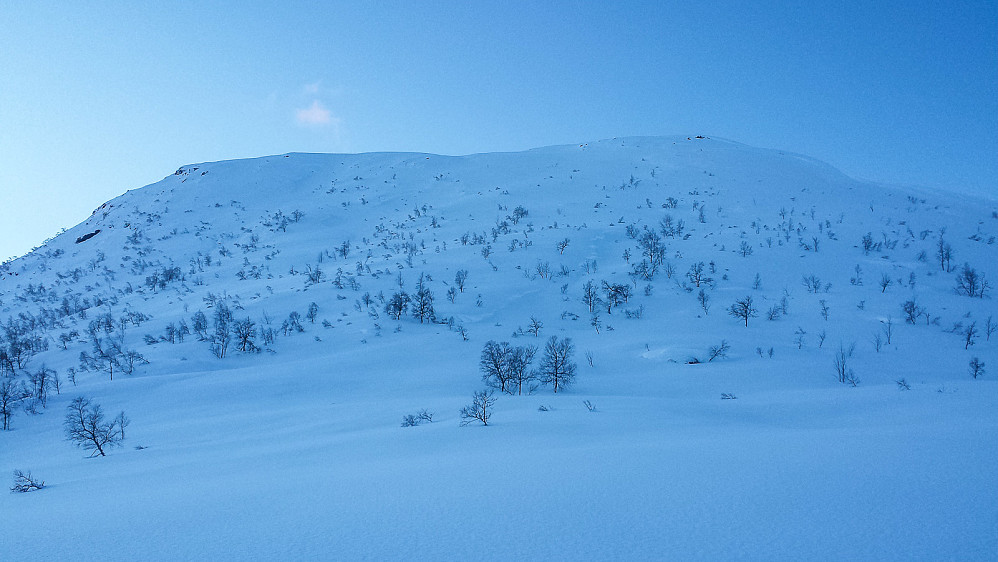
(25, 483)
(412, 420)
(719, 351)
(976, 367)
(480, 408)
(86, 428)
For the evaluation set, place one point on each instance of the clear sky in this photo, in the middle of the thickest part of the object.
(99, 98)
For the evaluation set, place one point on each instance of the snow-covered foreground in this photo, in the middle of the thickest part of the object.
(297, 452)
(280, 465)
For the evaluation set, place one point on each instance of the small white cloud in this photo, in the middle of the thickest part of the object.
(316, 114)
(311, 89)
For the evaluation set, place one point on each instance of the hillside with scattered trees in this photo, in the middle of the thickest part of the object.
(668, 347)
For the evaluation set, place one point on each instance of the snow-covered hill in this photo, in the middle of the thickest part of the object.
(294, 448)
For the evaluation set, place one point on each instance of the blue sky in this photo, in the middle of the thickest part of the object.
(95, 100)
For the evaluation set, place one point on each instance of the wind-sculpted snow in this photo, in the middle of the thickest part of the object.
(771, 360)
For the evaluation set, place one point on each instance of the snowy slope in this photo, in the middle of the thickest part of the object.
(297, 451)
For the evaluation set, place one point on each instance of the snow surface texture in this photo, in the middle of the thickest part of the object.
(296, 452)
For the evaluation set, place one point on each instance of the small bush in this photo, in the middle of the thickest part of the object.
(480, 408)
(412, 420)
(25, 483)
(976, 368)
(718, 351)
